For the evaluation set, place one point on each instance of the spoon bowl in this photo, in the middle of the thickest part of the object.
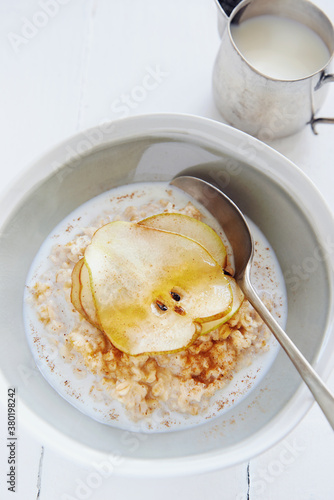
(231, 219)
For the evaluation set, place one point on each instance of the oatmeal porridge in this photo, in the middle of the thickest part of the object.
(156, 391)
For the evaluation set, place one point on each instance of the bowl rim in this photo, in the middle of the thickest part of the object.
(260, 156)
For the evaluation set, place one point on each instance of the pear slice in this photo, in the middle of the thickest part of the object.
(153, 289)
(86, 297)
(238, 298)
(81, 294)
(192, 228)
(76, 287)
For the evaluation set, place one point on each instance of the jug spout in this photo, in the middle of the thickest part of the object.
(225, 7)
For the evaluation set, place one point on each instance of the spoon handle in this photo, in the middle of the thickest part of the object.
(317, 387)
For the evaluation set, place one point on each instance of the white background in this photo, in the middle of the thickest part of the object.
(68, 70)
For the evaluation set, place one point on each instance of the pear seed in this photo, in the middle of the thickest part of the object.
(179, 310)
(175, 296)
(161, 305)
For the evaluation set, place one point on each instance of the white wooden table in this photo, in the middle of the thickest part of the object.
(67, 65)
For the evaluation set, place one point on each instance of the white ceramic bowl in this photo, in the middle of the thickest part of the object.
(268, 188)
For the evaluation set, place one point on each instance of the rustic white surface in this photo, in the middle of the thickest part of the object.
(70, 64)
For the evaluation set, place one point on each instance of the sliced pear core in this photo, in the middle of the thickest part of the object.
(192, 228)
(153, 289)
(238, 298)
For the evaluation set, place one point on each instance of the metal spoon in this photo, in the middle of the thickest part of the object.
(237, 231)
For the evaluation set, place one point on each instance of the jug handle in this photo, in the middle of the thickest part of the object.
(225, 8)
(325, 78)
